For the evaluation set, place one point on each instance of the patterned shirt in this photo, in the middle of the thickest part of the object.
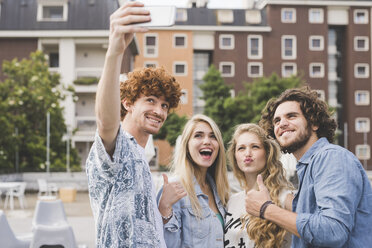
(122, 195)
(334, 199)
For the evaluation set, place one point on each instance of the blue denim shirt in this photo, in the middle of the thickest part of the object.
(122, 196)
(334, 201)
(185, 230)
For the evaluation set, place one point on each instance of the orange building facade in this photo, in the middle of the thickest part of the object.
(175, 53)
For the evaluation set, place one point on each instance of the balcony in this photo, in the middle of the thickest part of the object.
(86, 126)
(54, 69)
(88, 72)
(87, 79)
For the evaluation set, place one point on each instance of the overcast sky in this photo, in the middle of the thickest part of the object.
(212, 3)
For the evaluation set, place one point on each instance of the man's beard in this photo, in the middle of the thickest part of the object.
(299, 142)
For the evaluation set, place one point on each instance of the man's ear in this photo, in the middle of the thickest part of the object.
(314, 128)
(126, 105)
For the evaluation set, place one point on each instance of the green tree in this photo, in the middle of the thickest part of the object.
(248, 104)
(215, 94)
(261, 90)
(172, 128)
(26, 95)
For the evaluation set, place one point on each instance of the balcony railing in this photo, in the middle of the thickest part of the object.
(88, 72)
(85, 123)
(54, 69)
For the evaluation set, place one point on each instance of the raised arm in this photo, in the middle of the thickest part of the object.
(108, 92)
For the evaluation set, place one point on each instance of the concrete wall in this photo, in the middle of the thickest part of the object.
(85, 105)
(90, 55)
(77, 180)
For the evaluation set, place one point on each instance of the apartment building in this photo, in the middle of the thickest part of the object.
(326, 42)
(74, 35)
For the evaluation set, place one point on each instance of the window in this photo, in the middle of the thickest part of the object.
(150, 64)
(227, 69)
(288, 15)
(289, 69)
(316, 16)
(226, 41)
(179, 41)
(52, 11)
(54, 60)
(289, 47)
(361, 43)
(181, 15)
(255, 69)
(361, 16)
(316, 70)
(362, 125)
(255, 46)
(361, 97)
(151, 45)
(180, 68)
(361, 70)
(316, 43)
(184, 96)
(363, 152)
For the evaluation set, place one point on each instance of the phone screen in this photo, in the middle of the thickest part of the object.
(161, 16)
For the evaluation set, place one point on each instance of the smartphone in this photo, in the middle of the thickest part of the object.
(161, 16)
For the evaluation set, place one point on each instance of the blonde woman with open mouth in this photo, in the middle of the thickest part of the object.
(193, 205)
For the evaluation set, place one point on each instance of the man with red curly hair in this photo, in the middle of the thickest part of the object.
(121, 189)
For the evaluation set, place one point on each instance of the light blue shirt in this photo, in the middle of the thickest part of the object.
(334, 201)
(184, 229)
(122, 196)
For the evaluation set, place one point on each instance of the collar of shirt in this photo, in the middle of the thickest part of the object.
(213, 186)
(129, 136)
(306, 158)
(209, 179)
(305, 161)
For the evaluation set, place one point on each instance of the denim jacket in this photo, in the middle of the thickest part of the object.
(184, 229)
(334, 200)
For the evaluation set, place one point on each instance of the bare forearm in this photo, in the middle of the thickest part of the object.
(108, 99)
(284, 218)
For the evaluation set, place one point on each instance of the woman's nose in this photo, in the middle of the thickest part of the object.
(206, 140)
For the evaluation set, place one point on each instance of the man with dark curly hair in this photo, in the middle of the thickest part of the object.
(121, 188)
(333, 205)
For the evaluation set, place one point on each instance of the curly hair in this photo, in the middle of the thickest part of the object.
(150, 81)
(314, 110)
(263, 232)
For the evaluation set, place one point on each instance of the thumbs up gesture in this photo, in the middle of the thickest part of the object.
(255, 198)
(172, 193)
